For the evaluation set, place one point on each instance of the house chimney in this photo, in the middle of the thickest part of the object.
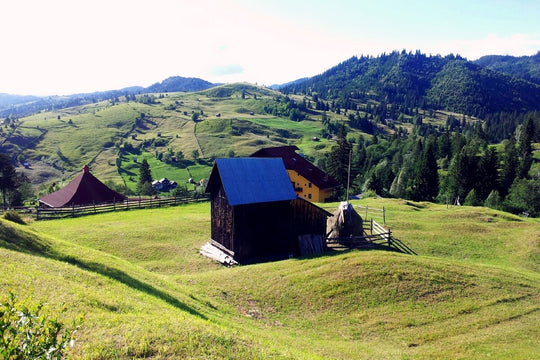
(85, 169)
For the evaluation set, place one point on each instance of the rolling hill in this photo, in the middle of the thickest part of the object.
(110, 135)
(15, 106)
(471, 291)
(391, 96)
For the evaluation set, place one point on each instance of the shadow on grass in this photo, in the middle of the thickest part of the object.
(133, 283)
(12, 239)
(400, 246)
(395, 245)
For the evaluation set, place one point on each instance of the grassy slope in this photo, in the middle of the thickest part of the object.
(472, 291)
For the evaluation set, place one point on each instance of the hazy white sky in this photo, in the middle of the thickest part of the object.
(60, 47)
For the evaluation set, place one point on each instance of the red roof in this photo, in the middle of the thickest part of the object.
(85, 189)
(294, 161)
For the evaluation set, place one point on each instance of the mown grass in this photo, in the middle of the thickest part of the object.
(129, 313)
(470, 234)
(147, 293)
(165, 241)
(377, 305)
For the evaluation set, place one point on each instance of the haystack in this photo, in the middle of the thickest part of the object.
(345, 222)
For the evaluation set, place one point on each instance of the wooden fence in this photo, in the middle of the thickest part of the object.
(133, 203)
(365, 212)
(373, 235)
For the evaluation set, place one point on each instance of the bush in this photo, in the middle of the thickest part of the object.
(493, 200)
(30, 333)
(14, 216)
(472, 199)
(370, 193)
(524, 197)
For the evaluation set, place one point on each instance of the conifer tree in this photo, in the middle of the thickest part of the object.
(338, 165)
(425, 185)
(509, 167)
(7, 177)
(525, 148)
(145, 179)
(460, 175)
(493, 200)
(487, 174)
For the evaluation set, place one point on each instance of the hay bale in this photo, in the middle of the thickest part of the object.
(345, 222)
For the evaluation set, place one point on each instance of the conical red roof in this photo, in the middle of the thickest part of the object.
(85, 189)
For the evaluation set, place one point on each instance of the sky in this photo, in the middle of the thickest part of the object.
(61, 47)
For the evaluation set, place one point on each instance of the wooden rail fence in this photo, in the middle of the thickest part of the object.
(133, 203)
(373, 234)
(364, 211)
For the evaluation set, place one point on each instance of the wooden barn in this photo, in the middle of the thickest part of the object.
(256, 215)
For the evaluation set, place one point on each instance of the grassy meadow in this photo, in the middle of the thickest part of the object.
(470, 292)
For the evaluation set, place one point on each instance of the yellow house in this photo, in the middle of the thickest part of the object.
(309, 182)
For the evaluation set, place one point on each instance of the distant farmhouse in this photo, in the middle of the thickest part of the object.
(309, 181)
(164, 184)
(85, 189)
(256, 214)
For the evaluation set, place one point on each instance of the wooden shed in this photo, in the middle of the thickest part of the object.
(256, 215)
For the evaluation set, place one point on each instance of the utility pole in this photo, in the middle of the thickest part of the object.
(349, 175)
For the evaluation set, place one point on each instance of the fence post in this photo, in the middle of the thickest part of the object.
(383, 215)
(371, 226)
(389, 237)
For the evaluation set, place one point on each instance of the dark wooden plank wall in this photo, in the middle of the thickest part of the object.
(263, 231)
(308, 218)
(222, 220)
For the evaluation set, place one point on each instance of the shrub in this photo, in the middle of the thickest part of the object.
(493, 200)
(14, 216)
(370, 193)
(30, 333)
(472, 199)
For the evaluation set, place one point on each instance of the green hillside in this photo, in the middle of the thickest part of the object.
(108, 136)
(524, 67)
(416, 80)
(113, 137)
(471, 292)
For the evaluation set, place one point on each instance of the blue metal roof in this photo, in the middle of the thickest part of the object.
(255, 180)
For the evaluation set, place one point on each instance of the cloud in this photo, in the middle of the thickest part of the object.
(231, 69)
(492, 44)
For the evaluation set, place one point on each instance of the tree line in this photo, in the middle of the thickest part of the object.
(457, 167)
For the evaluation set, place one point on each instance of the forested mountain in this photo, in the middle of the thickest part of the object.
(7, 100)
(525, 67)
(420, 81)
(178, 83)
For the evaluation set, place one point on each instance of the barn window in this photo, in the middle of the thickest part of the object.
(309, 196)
